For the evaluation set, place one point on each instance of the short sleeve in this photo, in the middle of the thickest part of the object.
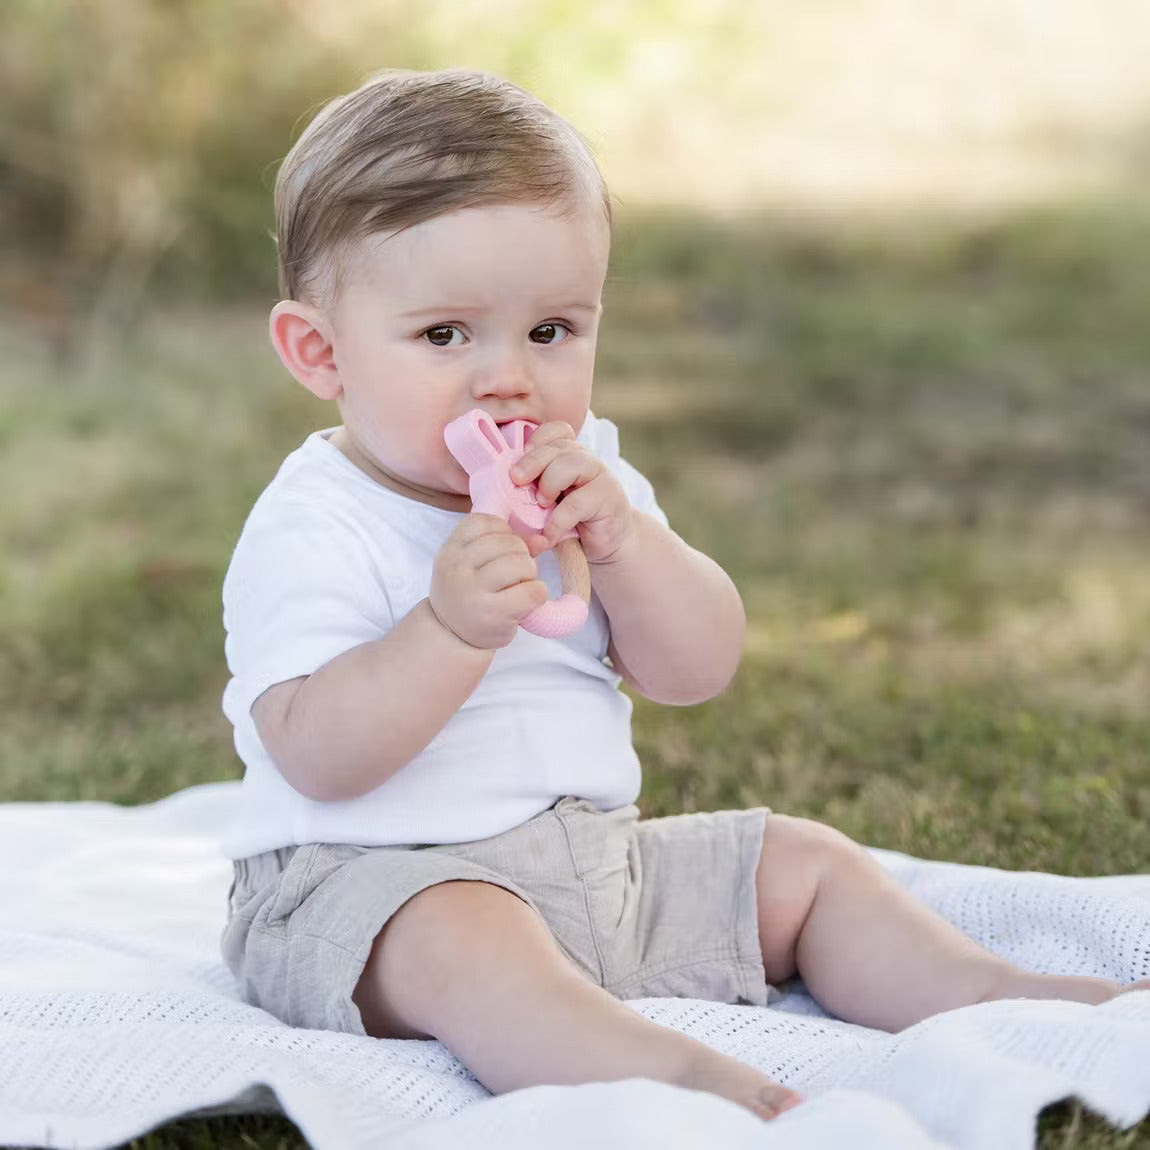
(302, 588)
(602, 436)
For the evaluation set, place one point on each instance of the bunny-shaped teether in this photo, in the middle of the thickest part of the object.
(487, 452)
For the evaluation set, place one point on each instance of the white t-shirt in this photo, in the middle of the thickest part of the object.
(329, 559)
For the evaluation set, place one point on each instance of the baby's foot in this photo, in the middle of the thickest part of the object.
(770, 1101)
(1127, 987)
(729, 1078)
(1015, 983)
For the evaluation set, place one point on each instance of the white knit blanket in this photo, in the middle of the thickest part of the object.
(116, 1015)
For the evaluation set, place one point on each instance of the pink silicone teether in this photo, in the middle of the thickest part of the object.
(487, 452)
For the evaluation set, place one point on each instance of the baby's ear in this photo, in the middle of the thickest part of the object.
(301, 336)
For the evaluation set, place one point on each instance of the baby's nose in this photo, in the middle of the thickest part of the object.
(503, 376)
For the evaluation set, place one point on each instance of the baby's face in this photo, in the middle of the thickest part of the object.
(493, 307)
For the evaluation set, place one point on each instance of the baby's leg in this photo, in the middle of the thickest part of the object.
(866, 949)
(473, 965)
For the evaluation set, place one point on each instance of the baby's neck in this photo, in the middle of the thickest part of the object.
(445, 500)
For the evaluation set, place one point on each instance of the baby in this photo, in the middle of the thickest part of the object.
(437, 834)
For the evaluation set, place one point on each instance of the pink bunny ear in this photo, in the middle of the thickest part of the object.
(475, 440)
(518, 434)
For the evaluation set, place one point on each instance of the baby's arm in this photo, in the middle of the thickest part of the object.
(344, 729)
(677, 620)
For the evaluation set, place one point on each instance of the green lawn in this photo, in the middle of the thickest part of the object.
(919, 448)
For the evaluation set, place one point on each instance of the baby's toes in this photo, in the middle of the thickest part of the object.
(771, 1101)
(1126, 988)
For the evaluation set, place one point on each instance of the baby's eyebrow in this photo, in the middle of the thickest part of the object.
(465, 309)
(440, 309)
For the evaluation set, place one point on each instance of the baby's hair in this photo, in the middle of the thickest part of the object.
(408, 146)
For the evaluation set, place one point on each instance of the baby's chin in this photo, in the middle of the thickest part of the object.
(439, 494)
(453, 478)
(451, 488)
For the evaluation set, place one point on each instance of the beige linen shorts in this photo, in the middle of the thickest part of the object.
(642, 907)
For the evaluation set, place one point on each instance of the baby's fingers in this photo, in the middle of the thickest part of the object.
(537, 544)
(591, 502)
(477, 524)
(569, 471)
(483, 548)
(551, 432)
(550, 441)
(507, 570)
(523, 598)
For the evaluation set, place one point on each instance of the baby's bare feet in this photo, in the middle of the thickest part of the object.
(729, 1078)
(771, 1101)
(1126, 987)
(1014, 983)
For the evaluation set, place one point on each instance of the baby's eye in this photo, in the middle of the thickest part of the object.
(549, 333)
(443, 335)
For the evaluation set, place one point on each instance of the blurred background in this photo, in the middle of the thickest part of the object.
(876, 328)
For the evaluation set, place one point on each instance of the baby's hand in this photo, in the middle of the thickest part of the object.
(484, 581)
(584, 493)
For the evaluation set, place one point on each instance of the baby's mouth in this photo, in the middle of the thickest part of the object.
(517, 432)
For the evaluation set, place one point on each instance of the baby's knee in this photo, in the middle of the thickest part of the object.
(453, 924)
(809, 844)
(460, 907)
(444, 939)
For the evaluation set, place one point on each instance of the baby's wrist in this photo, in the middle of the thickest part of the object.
(444, 627)
(622, 549)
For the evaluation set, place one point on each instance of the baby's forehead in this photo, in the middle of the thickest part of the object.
(474, 251)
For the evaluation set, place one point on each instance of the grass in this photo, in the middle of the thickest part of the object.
(919, 447)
